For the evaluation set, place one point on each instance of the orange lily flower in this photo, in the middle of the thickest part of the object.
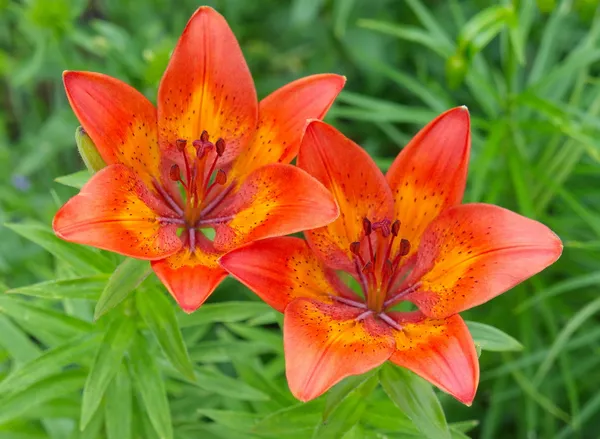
(404, 237)
(210, 156)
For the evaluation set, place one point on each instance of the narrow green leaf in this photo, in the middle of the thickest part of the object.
(340, 392)
(80, 288)
(492, 339)
(76, 179)
(18, 344)
(236, 420)
(216, 382)
(347, 412)
(83, 259)
(417, 400)
(118, 406)
(223, 313)
(51, 361)
(149, 383)
(40, 319)
(128, 275)
(52, 387)
(106, 365)
(158, 313)
(295, 419)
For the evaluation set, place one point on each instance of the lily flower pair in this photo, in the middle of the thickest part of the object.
(210, 156)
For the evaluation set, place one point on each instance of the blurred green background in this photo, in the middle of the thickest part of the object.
(527, 70)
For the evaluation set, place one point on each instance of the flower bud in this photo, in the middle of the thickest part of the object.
(88, 152)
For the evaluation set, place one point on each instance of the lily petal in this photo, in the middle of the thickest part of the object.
(274, 200)
(191, 277)
(440, 351)
(282, 118)
(280, 270)
(357, 185)
(119, 119)
(474, 252)
(207, 87)
(324, 343)
(115, 211)
(430, 173)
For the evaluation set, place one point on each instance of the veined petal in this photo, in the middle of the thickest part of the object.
(280, 270)
(282, 118)
(430, 173)
(441, 351)
(274, 200)
(356, 183)
(325, 343)
(119, 119)
(115, 211)
(474, 252)
(207, 87)
(191, 277)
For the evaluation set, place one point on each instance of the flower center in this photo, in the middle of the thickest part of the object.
(199, 181)
(383, 267)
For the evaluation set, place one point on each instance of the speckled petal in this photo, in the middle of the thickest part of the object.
(430, 173)
(441, 351)
(280, 270)
(474, 252)
(357, 185)
(283, 116)
(119, 119)
(115, 211)
(191, 277)
(324, 343)
(207, 87)
(274, 200)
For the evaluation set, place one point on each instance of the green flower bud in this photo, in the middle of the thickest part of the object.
(88, 151)
(456, 70)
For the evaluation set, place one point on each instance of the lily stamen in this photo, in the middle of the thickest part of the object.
(348, 301)
(398, 297)
(207, 222)
(387, 319)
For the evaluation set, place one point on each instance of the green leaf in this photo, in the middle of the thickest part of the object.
(80, 288)
(295, 419)
(51, 361)
(82, 259)
(158, 313)
(16, 341)
(76, 180)
(52, 387)
(106, 365)
(228, 312)
(417, 400)
(492, 339)
(118, 406)
(347, 412)
(340, 392)
(214, 381)
(39, 319)
(149, 383)
(128, 275)
(236, 420)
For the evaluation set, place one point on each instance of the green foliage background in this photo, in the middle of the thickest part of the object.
(527, 70)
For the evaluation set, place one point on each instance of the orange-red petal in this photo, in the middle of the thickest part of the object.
(430, 173)
(441, 351)
(325, 343)
(356, 183)
(207, 87)
(280, 270)
(282, 118)
(191, 277)
(119, 119)
(115, 211)
(274, 200)
(474, 252)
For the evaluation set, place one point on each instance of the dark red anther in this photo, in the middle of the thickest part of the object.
(181, 143)
(355, 248)
(387, 269)
(368, 268)
(204, 136)
(367, 226)
(404, 247)
(221, 177)
(220, 146)
(174, 173)
(396, 228)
